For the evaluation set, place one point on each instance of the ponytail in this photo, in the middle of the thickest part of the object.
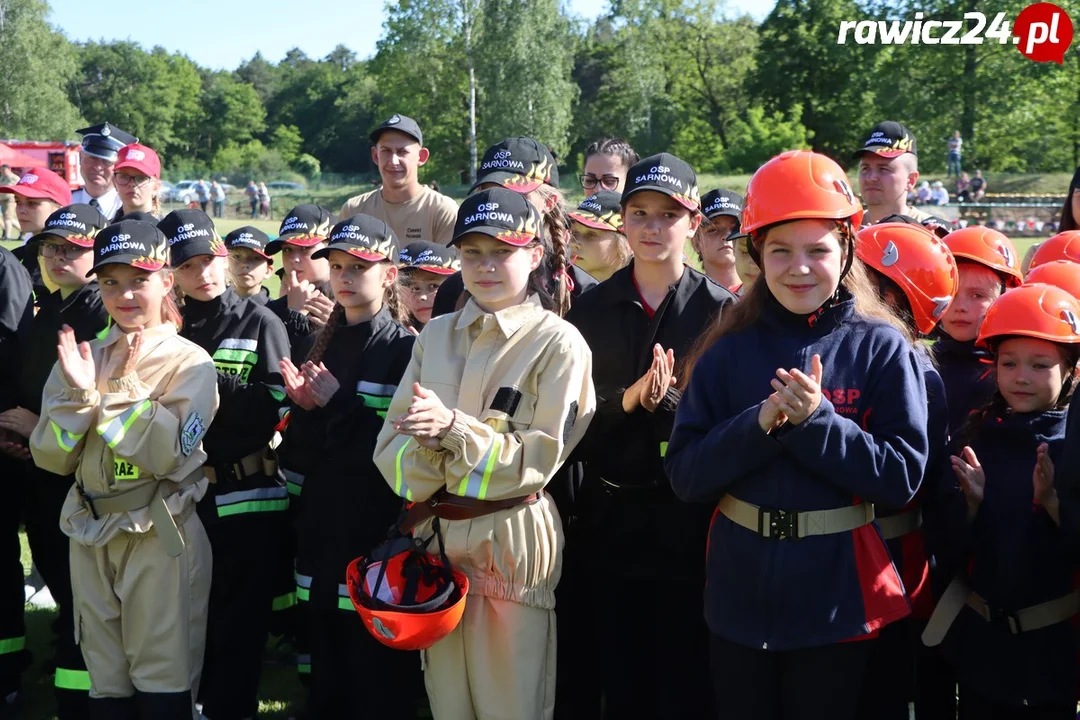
(322, 342)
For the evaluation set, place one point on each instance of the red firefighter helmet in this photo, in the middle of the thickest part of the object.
(1063, 246)
(1037, 311)
(799, 185)
(407, 598)
(1059, 273)
(990, 248)
(918, 262)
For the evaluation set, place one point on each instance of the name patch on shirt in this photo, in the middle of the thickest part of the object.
(124, 470)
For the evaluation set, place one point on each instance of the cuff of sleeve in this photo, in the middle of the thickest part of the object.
(821, 413)
(432, 456)
(455, 436)
(128, 383)
(81, 396)
(670, 403)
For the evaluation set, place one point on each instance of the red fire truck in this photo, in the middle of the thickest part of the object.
(60, 156)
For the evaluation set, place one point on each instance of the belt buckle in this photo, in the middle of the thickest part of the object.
(778, 524)
(1009, 618)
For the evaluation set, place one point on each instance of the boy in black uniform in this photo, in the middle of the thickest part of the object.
(307, 305)
(244, 509)
(249, 263)
(640, 324)
(66, 243)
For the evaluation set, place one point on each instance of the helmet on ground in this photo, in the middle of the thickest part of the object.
(918, 262)
(990, 248)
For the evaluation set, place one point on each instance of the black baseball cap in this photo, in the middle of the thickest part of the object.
(139, 215)
(304, 225)
(105, 140)
(190, 233)
(401, 124)
(889, 139)
(667, 174)
(251, 238)
(602, 211)
(503, 214)
(520, 164)
(130, 242)
(364, 237)
(430, 256)
(79, 224)
(718, 203)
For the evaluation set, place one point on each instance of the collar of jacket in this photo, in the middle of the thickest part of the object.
(777, 316)
(81, 296)
(369, 328)
(1046, 425)
(509, 320)
(620, 287)
(199, 309)
(945, 343)
(157, 332)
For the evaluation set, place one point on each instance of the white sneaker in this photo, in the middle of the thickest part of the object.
(43, 599)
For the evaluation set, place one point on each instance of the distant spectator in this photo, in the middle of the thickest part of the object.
(952, 158)
(252, 192)
(963, 185)
(264, 201)
(202, 193)
(939, 195)
(7, 202)
(217, 194)
(923, 196)
(977, 188)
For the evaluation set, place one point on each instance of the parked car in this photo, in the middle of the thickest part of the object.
(285, 186)
(182, 192)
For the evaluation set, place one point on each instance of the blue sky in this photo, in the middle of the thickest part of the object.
(221, 33)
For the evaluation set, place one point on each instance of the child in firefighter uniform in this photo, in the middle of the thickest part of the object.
(494, 399)
(244, 510)
(127, 414)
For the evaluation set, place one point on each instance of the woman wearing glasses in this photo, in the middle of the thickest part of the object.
(606, 163)
(137, 176)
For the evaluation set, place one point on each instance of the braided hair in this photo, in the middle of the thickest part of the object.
(322, 342)
(557, 241)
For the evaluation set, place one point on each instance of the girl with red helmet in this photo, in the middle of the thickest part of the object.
(797, 571)
(916, 275)
(495, 398)
(989, 265)
(1006, 618)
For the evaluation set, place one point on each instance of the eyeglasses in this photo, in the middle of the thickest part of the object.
(136, 180)
(608, 182)
(66, 251)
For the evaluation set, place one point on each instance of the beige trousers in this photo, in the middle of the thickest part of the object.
(498, 664)
(140, 615)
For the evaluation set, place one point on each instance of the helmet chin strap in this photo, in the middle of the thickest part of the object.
(848, 262)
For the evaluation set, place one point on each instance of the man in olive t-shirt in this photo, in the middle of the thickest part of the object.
(413, 211)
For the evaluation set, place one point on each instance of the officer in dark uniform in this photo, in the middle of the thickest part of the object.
(100, 144)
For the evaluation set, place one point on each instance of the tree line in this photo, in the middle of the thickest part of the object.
(721, 90)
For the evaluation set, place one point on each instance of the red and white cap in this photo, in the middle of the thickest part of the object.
(138, 157)
(41, 183)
